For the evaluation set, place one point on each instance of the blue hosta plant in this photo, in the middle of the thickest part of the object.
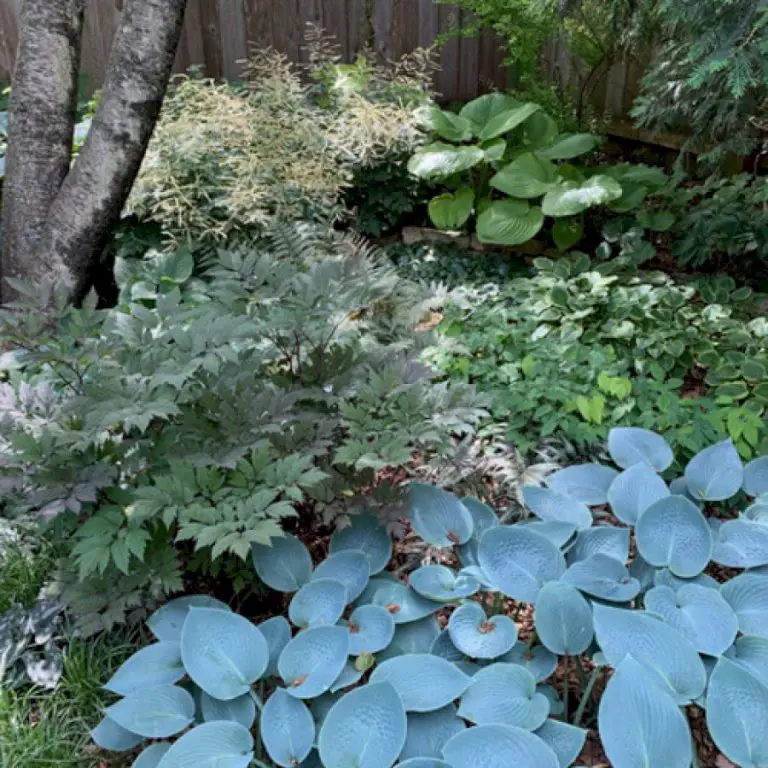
(623, 566)
(507, 167)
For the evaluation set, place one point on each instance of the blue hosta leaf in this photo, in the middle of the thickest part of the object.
(643, 572)
(670, 659)
(439, 517)
(366, 534)
(633, 491)
(350, 675)
(166, 623)
(413, 637)
(287, 729)
(403, 603)
(312, 661)
(351, 567)
(151, 756)
(154, 713)
(158, 664)
(737, 711)
(211, 745)
(558, 533)
(240, 710)
(756, 477)
(504, 694)
(556, 706)
(478, 636)
(109, 735)
(478, 574)
(747, 594)
(320, 602)
(565, 740)
(630, 446)
(587, 483)
(641, 725)
(321, 706)
(423, 762)
(223, 652)
(365, 728)
(284, 565)
(554, 507)
(371, 629)
(424, 682)
(741, 543)
(429, 731)
(468, 667)
(443, 646)
(715, 473)
(698, 613)
(758, 512)
(539, 661)
(498, 746)
(436, 582)
(751, 653)
(519, 561)
(483, 516)
(277, 633)
(603, 577)
(663, 577)
(563, 619)
(601, 540)
(673, 533)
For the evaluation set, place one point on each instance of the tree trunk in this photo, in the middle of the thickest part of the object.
(40, 124)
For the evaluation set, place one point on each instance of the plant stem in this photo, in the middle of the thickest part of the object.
(581, 672)
(257, 698)
(498, 603)
(532, 639)
(565, 689)
(585, 696)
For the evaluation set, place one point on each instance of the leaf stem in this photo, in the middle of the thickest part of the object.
(585, 696)
(581, 672)
(565, 689)
(532, 639)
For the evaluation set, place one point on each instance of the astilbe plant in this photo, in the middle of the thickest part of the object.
(362, 673)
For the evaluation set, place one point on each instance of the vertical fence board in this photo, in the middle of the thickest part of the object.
(233, 38)
(447, 79)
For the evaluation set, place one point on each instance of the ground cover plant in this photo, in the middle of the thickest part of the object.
(373, 670)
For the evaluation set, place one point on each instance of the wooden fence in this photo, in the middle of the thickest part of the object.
(217, 34)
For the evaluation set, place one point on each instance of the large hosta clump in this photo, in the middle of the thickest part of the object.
(424, 674)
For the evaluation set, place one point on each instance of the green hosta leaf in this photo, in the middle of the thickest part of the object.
(287, 729)
(451, 211)
(715, 473)
(587, 483)
(570, 197)
(747, 594)
(313, 660)
(737, 710)
(446, 124)
(438, 161)
(351, 567)
(565, 740)
(656, 221)
(319, 602)
(158, 664)
(365, 728)
(539, 130)
(563, 619)
(366, 534)
(498, 746)
(479, 637)
(631, 445)
(428, 732)
(566, 233)
(509, 222)
(507, 121)
(602, 540)
(646, 175)
(632, 196)
(633, 491)
(603, 577)
(479, 112)
(641, 725)
(436, 582)
(277, 633)
(240, 710)
(156, 712)
(494, 150)
(371, 629)
(756, 477)
(551, 506)
(109, 735)
(527, 176)
(222, 652)
(211, 745)
(166, 623)
(439, 517)
(569, 147)
(741, 543)
(176, 266)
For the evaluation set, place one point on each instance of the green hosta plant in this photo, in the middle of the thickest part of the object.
(364, 674)
(507, 164)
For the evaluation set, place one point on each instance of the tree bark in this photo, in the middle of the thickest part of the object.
(40, 124)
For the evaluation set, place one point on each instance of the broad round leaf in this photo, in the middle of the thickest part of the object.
(287, 729)
(222, 652)
(479, 112)
(277, 633)
(349, 676)
(640, 725)
(365, 728)
(483, 516)
(113, 737)
(366, 534)
(566, 233)
(563, 619)
(504, 694)
(436, 582)
(312, 661)
(629, 446)
(526, 177)
(756, 477)
(509, 222)
(371, 629)
(663, 577)
(446, 124)
(758, 512)
(673, 533)
(751, 653)
(351, 567)
(443, 646)
(741, 543)
(451, 210)
(166, 622)
(498, 746)
(478, 636)
(587, 483)
(669, 658)
(151, 756)
(154, 713)
(320, 602)
(240, 710)
(285, 565)
(554, 507)
(211, 745)
(715, 473)
(158, 664)
(423, 762)
(424, 682)
(572, 197)
(539, 661)
(507, 121)
(633, 491)
(698, 613)
(600, 540)
(565, 740)
(403, 603)
(519, 561)
(439, 517)
(428, 731)
(737, 711)
(603, 577)
(438, 160)
(747, 594)
(558, 533)
(413, 637)
(569, 147)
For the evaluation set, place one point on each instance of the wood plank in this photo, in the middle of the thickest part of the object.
(191, 52)
(469, 55)
(335, 22)
(381, 19)
(10, 12)
(447, 79)
(212, 52)
(361, 34)
(429, 23)
(258, 23)
(233, 40)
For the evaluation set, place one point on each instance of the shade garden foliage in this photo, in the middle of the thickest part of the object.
(365, 673)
